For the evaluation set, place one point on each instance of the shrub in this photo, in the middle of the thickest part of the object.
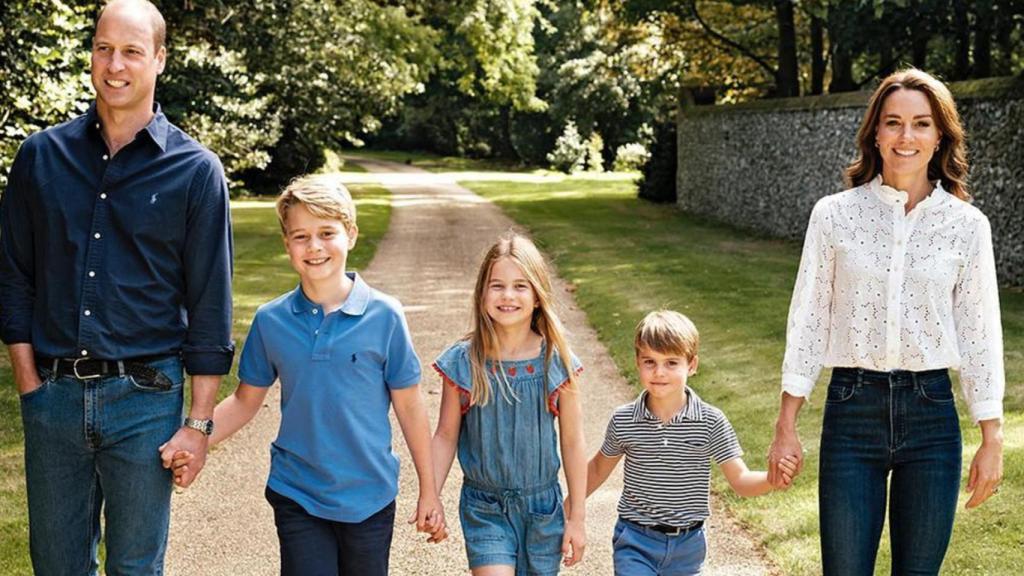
(658, 180)
(570, 151)
(630, 157)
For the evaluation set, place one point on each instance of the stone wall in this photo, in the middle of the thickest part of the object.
(762, 165)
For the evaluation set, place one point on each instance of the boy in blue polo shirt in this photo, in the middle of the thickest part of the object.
(343, 354)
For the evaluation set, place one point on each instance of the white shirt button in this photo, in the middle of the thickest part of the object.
(85, 352)
(88, 312)
(664, 442)
(105, 157)
(103, 195)
(315, 311)
(96, 235)
(316, 331)
(92, 274)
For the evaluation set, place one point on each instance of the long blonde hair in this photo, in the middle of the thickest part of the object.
(948, 164)
(483, 340)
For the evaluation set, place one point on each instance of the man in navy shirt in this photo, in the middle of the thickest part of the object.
(115, 274)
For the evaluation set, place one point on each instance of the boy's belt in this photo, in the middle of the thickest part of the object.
(670, 530)
(90, 368)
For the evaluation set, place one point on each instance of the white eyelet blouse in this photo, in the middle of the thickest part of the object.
(883, 290)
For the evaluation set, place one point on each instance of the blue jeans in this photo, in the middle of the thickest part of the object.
(897, 428)
(513, 527)
(92, 445)
(312, 546)
(642, 551)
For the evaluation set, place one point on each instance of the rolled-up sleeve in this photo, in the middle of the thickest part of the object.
(17, 284)
(979, 328)
(208, 349)
(807, 332)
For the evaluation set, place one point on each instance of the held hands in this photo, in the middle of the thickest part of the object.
(574, 541)
(785, 448)
(429, 518)
(185, 455)
(787, 469)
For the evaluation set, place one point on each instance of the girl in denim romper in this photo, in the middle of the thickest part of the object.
(499, 409)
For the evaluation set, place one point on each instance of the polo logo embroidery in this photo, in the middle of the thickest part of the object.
(353, 357)
(152, 199)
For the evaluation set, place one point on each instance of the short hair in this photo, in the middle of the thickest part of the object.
(156, 19)
(667, 332)
(323, 195)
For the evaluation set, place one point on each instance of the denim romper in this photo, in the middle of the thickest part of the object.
(511, 503)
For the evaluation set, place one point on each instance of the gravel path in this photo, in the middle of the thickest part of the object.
(428, 259)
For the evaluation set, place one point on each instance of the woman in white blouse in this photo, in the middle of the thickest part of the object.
(897, 284)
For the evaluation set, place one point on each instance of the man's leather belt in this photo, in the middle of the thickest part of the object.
(89, 368)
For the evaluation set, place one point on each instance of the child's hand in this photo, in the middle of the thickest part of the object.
(179, 465)
(429, 517)
(788, 469)
(574, 541)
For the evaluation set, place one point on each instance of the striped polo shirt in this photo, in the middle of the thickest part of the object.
(668, 465)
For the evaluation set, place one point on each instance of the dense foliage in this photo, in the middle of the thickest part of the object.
(268, 84)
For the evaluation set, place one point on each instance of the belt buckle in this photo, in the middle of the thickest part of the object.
(74, 368)
(678, 530)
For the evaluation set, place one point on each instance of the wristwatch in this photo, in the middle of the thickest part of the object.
(204, 426)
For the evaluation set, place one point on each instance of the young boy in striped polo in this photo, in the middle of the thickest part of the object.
(669, 437)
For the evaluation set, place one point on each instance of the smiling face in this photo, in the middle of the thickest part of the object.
(664, 375)
(509, 298)
(126, 60)
(907, 137)
(317, 247)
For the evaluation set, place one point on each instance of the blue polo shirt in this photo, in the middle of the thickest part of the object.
(333, 452)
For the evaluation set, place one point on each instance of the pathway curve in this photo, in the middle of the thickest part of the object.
(439, 231)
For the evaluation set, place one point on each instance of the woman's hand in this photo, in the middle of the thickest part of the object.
(785, 447)
(987, 466)
(786, 443)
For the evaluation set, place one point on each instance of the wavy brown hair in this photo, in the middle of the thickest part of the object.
(948, 164)
(483, 340)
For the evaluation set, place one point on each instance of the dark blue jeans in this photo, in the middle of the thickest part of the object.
(91, 445)
(312, 546)
(888, 428)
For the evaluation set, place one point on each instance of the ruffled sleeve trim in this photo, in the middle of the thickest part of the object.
(464, 396)
(553, 396)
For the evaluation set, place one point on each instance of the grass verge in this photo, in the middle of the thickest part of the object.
(626, 257)
(262, 272)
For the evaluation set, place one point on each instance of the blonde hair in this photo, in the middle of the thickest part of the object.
(483, 340)
(948, 164)
(323, 195)
(667, 332)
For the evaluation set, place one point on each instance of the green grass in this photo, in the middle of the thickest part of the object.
(262, 272)
(626, 257)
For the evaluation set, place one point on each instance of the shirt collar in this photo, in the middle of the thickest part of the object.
(692, 411)
(891, 195)
(355, 305)
(156, 129)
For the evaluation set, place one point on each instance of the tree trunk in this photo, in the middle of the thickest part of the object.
(962, 31)
(918, 40)
(817, 55)
(787, 80)
(983, 26)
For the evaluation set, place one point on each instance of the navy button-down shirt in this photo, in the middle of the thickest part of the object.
(117, 257)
